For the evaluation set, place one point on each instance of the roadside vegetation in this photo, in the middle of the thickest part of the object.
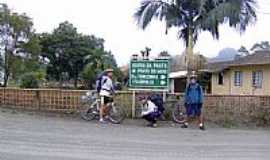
(63, 58)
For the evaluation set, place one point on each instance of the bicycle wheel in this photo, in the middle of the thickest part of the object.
(179, 114)
(89, 112)
(116, 114)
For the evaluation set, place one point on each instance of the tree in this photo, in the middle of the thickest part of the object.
(197, 62)
(194, 16)
(243, 51)
(31, 79)
(99, 62)
(28, 62)
(146, 52)
(262, 46)
(88, 76)
(70, 52)
(17, 40)
(164, 54)
(65, 51)
(109, 61)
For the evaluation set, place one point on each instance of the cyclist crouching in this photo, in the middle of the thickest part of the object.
(152, 109)
(106, 93)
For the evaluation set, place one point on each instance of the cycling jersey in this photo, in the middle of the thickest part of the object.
(107, 88)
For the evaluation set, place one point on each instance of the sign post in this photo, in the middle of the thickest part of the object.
(133, 107)
(148, 75)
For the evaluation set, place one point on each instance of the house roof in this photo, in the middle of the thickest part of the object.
(178, 74)
(257, 58)
(217, 66)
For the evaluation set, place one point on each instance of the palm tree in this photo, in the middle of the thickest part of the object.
(192, 17)
(243, 51)
(146, 52)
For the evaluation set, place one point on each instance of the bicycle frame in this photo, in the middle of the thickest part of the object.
(96, 102)
(92, 105)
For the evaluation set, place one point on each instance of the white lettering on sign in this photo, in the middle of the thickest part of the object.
(148, 65)
(148, 76)
(144, 82)
(160, 65)
(163, 77)
(153, 71)
(138, 65)
(143, 71)
(162, 82)
(162, 71)
(133, 70)
(133, 76)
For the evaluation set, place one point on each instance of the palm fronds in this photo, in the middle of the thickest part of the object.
(197, 15)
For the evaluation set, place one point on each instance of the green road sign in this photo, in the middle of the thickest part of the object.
(149, 74)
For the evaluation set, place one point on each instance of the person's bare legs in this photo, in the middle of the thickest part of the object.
(201, 122)
(101, 113)
(106, 110)
(187, 120)
(200, 119)
(188, 117)
(102, 109)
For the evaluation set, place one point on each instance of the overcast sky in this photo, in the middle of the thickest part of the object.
(113, 21)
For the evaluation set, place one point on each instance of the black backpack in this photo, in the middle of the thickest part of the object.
(158, 101)
(100, 81)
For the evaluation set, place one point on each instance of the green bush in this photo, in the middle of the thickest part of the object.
(31, 80)
(262, 117)
(88, 76)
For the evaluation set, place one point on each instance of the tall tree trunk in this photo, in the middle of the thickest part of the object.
(6, 67)
(61, 82)
(76, 82)
(61, 79)
(189, 52)
(6, 76)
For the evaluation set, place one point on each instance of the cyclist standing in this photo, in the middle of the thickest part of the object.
(194, 102)
(106, 92)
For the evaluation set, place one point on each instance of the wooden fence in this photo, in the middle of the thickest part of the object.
(217, 108)
(49, 99)
(41, 99)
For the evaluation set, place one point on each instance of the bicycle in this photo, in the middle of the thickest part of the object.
(91, 105)
(179, 112)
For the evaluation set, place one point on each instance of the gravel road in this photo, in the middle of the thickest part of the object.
(25, 136)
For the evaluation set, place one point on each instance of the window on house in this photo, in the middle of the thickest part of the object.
(257, 78)
(238, 78)
(220, 78)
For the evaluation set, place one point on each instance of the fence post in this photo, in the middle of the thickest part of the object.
(133, 114)
(164, 96)
(4, 97)
(38, 99)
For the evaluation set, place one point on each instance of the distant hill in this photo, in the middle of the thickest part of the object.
(226, 54)
(178, 62)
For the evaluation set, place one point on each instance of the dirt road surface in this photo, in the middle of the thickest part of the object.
(25, 136)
